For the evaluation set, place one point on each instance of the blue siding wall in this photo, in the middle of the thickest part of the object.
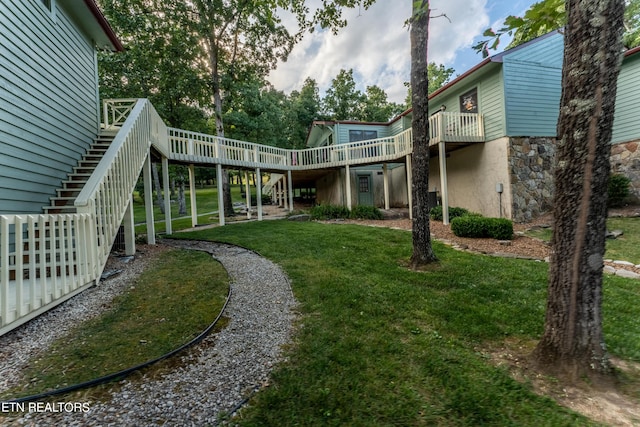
(532, 84)
(48, 102)
(626, 123)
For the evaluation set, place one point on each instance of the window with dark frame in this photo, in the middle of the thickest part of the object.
(363, 184)
(362, 135)
(469, 101)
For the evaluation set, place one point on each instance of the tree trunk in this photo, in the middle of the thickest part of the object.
(422, 251)
(156, 185)
(182, 204)
(573, 344)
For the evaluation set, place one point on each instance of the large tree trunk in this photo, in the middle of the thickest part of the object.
(422, 251)
(573, 344)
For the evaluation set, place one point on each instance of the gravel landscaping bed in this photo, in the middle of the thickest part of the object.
(207, 383)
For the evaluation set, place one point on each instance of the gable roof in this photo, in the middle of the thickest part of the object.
(89, 18)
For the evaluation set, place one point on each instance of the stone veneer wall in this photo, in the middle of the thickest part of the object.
(625, 160)
(531, 162)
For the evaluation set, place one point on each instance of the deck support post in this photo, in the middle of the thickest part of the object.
(443, 183)
(129, 230)
(192, 195)
(220, 194)
(285, 198)
(167, 196)
(247, 192)
(347, 173)
(148, 201)
(409, 185)
(258, 182)
(385, 179)
(290, 182)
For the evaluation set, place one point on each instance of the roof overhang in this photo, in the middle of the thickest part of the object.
(88, 17)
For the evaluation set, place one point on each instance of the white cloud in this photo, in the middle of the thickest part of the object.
(375, 44)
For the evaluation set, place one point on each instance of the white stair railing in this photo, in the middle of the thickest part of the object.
(107, 193)
(47, 259)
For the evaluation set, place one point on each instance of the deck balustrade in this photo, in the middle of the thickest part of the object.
(46, 259)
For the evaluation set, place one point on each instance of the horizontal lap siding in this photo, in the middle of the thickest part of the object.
(490, 99)
(532, 77)
(491, 104)
(626, 123)
(48, 103)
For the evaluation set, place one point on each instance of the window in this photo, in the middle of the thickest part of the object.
(47, 4)
(363, 184)
(362, 135)
(469, 101)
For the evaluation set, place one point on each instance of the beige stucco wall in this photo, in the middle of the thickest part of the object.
(472, 175)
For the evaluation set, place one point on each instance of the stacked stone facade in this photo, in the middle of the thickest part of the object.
(625, 160)
(531, 163)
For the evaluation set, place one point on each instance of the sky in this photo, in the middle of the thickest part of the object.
(375, 44)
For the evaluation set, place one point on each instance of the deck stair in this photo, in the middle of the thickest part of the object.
(63, 203)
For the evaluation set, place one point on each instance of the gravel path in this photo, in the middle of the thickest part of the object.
(210, 380)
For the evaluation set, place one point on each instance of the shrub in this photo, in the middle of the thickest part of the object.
(329, 212)
(436, 213)
(479, 226)
(500, 228)
(618, 190)
(366, 212)
(335, 212)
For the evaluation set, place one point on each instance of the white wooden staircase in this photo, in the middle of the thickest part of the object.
(63, 203)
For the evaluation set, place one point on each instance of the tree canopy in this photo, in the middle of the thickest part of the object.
(548, 15)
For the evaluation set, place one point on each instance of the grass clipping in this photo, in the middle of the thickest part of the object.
(162, 310)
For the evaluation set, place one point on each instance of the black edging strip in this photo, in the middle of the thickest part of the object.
(126, 372)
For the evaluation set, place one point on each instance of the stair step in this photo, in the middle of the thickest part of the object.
(83, 170)
(68, 192)
(60, 209)
(73, 184)
(61, 201)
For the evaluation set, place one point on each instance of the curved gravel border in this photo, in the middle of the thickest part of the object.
(212, 379)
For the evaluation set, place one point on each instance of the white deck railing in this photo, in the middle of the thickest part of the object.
(47, 259)
(44, 259)
(456, 127)
(195, 147)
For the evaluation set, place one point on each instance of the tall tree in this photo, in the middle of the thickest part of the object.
(419, 34)
(160, 61)
(342, 100)
(377, 108)
(438, 76)
(302, 110)
(573, 343)
(238, 34)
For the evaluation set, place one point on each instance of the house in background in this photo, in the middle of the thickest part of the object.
(368, 181)
(49, 100)
(493, 133)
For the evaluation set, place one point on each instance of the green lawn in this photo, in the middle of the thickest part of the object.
(163, 309)
(379, 345)
(206, 200)
(625, 247)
